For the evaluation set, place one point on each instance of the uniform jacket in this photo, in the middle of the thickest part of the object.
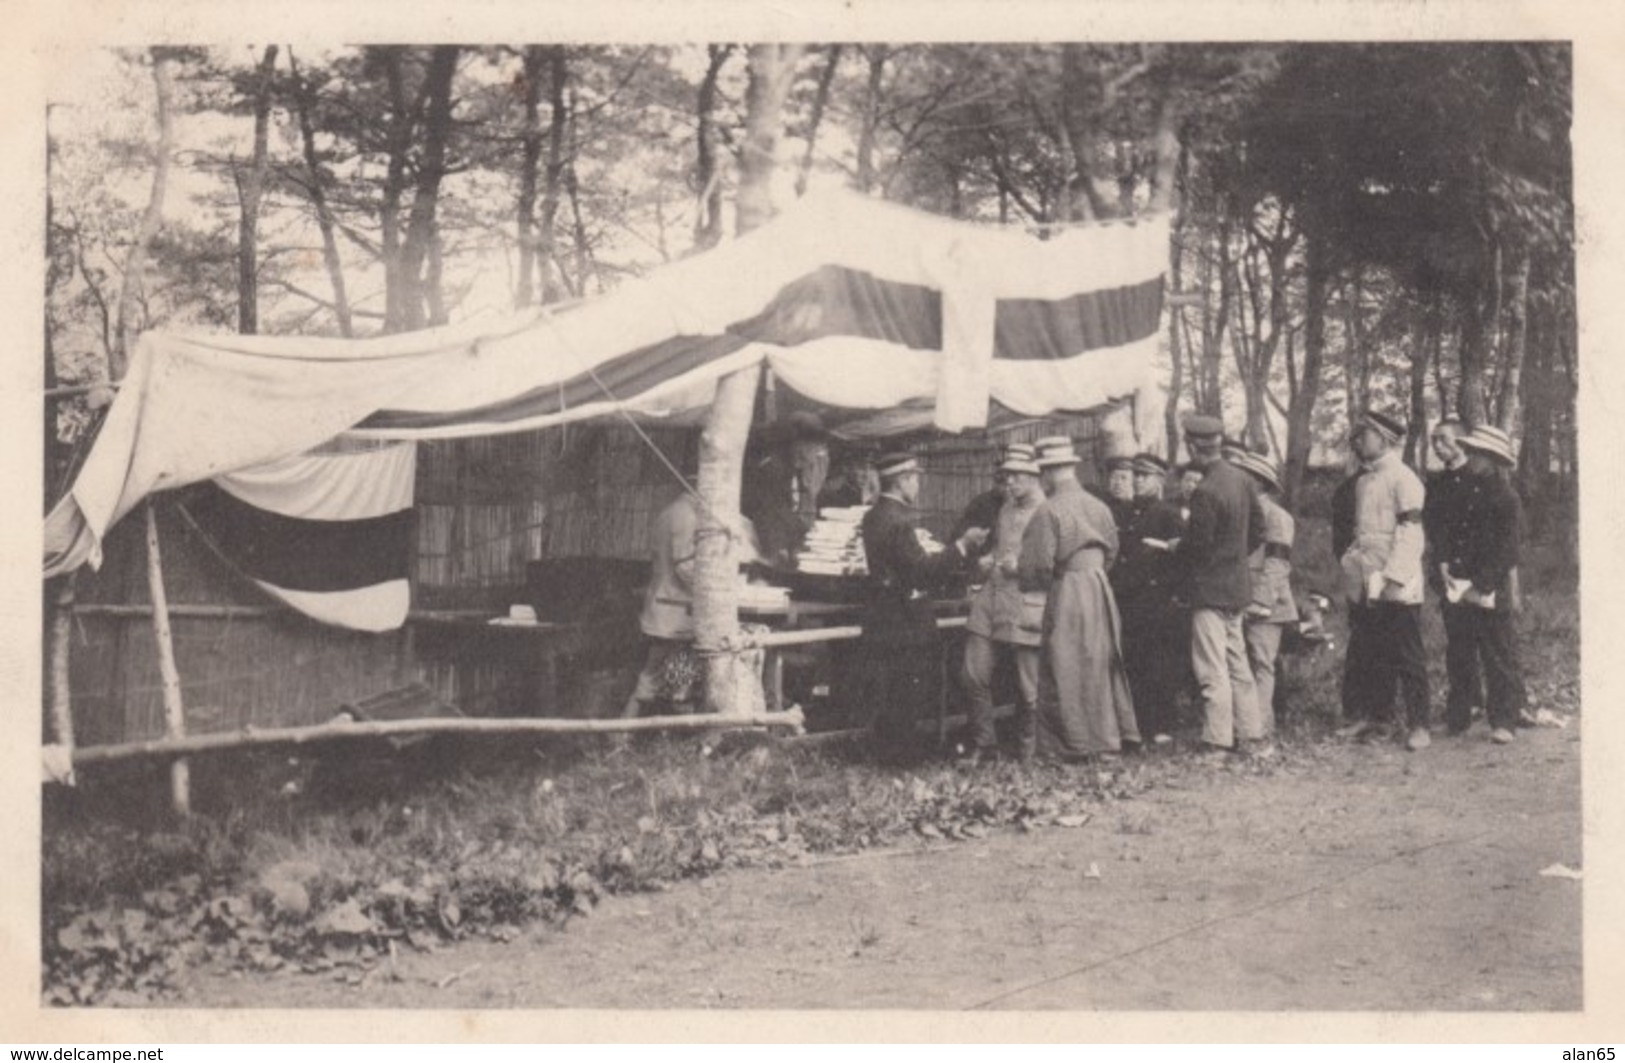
(1144, 574)
(1226, 526)
(1271, 565)
(668, 600)
(1387, 532)
(901, 571)
(1487, 547)
(1444, 520)
(1000, 609)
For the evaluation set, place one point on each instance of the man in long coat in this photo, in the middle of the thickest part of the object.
(1382, 580)
(1479, 574)
(1084, 704)
(1226, 525)
(900, 648)
(1004, 619)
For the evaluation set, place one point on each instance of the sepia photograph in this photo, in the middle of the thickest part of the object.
(748, 522)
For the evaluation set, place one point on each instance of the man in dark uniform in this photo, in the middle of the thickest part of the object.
(1443, 513)
(900, 649)
(1155, 634)
(1478, 575)
(1226, 526)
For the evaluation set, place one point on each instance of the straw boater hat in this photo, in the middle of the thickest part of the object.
(1233, 449)
(1056, 450)
(1019, 457)
(1261, 466)
(1388, 426)
(1487, 439)
(1150, 464)
(897, 464)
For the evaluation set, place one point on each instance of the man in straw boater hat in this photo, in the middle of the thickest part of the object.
(1226, 525)
(1156, 639)
(1273, 607)
(1003, 617)
(1443, 516)
(1477, 574)
(1382, 580)
(900, 649)
(1084, 704)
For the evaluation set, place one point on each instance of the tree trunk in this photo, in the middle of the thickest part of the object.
(136, 265)
(305, 99)
(401, 124)
(1300, 426)
(250, 189)
(869, 130)
(707, 174)
(820, 101)
(559, 122)
(1176, 353)
(1356, 365)
(60, 593)
(1506, 414)
(530, 156)
(421, 227)
(722, 443)
(1421, 352)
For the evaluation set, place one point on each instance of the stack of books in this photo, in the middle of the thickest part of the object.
(834, 545)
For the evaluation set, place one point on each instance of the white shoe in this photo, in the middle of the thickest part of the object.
(1501, 736)
(1419, 739)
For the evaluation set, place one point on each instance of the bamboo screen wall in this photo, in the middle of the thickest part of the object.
(485, 508)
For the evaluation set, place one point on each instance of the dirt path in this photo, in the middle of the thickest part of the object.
(1366, 879)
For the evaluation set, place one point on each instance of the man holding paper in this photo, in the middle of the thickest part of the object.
(1477, 575)
(1382, 581)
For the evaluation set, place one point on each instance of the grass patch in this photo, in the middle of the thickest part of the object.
(325, 865)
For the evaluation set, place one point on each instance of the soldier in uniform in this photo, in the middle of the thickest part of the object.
(1273, 607)
(1003, 617)
(1484, 557)
(1443, 514)
(1226, 525)
(1084, 704)
(1155, 634)
(900, 648)
(1382, 581)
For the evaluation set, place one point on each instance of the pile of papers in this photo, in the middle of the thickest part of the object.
(764, 596)
(834, 545)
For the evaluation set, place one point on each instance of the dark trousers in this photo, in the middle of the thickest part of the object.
(901, 664)
(1156, 656)
(1482, 658)
(1385, 650)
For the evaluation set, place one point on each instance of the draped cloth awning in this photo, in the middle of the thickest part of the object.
(898, 319)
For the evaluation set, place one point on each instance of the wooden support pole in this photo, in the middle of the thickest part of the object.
(790, 718)
(180, 781)
(61, 661)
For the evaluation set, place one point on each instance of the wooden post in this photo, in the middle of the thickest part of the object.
(61, 645)
(180, 779)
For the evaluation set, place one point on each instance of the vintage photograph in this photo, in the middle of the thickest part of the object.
(757, 526)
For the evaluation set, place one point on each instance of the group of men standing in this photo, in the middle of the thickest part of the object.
(1107, 606)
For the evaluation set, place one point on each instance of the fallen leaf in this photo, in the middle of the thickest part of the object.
(1560, 871)
(1074, 820)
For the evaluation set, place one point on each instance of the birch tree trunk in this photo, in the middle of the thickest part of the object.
(729, 689)
(136, 265)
